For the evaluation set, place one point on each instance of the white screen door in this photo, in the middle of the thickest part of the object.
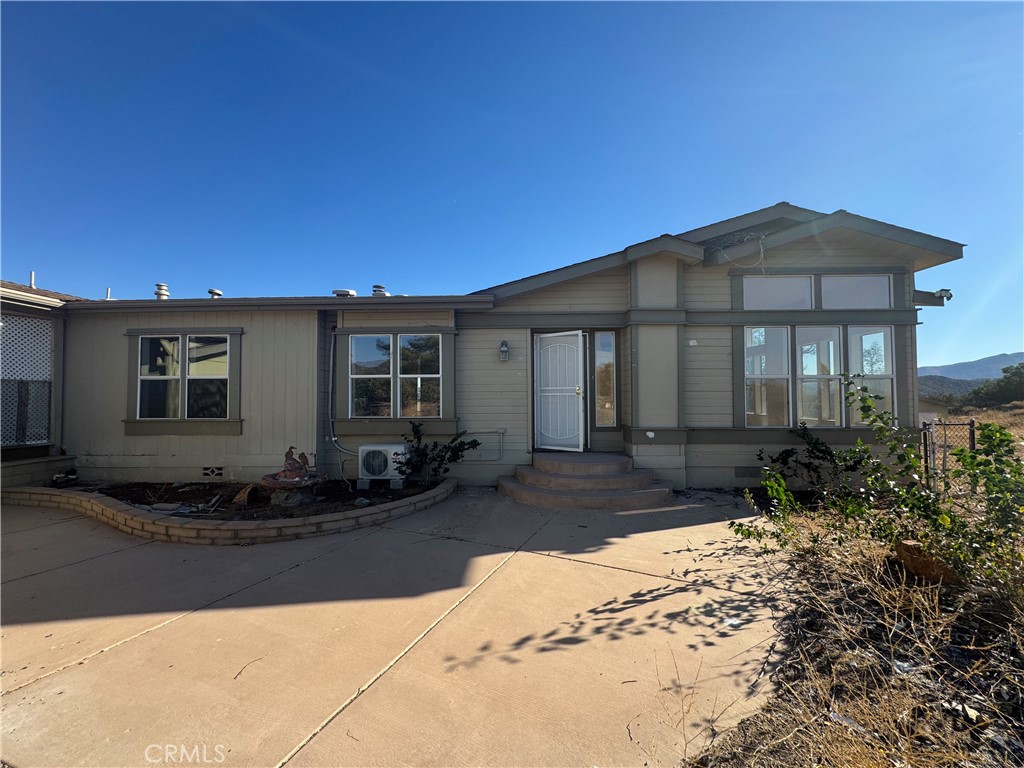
(558, 400)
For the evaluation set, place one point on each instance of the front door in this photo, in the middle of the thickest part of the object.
(558, 391)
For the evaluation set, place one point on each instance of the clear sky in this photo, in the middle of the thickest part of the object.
(290, 149)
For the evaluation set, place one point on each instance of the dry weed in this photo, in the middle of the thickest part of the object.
(880, 670)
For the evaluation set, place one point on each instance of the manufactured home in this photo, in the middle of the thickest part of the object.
(686, 353)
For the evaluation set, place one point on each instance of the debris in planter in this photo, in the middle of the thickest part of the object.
(361, 502)
(247, 495)
(64, 479)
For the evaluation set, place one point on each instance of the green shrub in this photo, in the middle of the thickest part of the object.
(879, 492)
(430, 462)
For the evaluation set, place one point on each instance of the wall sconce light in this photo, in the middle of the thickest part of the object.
(503, 350)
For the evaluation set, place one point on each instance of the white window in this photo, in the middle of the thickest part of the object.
(374, 379)
(767, 380)
(795, 292)
(856, 291)
(170, 390)
(819, 390)
(871, 358)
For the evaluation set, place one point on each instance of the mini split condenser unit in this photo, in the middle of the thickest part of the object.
(380, 462)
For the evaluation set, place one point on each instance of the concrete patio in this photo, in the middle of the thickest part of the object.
(477, 632)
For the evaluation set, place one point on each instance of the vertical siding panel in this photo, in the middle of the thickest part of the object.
(656, 282)
(659, 389)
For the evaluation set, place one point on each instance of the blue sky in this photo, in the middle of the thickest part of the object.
(290, 149)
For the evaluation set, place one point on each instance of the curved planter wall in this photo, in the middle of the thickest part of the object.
(153, 525)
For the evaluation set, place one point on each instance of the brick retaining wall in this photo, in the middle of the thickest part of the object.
(181, 530)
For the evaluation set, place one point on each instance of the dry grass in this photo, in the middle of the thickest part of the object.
(878, 670)
(1009, 416)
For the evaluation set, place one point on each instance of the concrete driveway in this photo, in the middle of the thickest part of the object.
(478, 632)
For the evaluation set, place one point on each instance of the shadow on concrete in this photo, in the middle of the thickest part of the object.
(57, 568)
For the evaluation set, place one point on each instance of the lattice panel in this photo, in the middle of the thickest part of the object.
(27, 348)
(26, 358)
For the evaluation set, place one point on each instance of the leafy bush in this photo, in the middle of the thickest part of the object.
(1006, 389)
(878, 491)
(430, 462)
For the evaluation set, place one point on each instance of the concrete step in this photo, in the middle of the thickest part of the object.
(653, 495)
(582, 463)
(619, 481)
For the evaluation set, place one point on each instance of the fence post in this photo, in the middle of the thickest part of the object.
(970, 437)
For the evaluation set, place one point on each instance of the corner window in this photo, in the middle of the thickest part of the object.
(170, 388)
(871, 358)
(856, 291)
(374, 378)
(778, 292)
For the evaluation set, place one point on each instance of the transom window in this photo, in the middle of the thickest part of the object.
(375, 380)
(856, 291)
(795, 292)
(173, 386)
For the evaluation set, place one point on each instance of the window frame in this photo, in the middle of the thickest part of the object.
(372, 376)
(751, 377)
(766, 279)
(850, 275)
(614, 383)
(446, 370)
(182, 424)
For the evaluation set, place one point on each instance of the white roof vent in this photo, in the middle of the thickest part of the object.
(344, 293)
(161, 292)
(380, 290)
(215, 293)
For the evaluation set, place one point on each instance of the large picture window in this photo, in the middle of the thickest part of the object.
(778, 292)
(171, 387)
(376, 378)
(783, 388)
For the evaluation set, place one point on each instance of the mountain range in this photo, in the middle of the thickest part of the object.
(985, 368)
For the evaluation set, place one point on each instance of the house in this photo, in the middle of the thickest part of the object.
(686, 352)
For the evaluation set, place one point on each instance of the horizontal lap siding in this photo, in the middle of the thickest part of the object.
(707, 288)
(707, 376)
(493, 394)
(277, 397)
(656, 282)
(606, 291)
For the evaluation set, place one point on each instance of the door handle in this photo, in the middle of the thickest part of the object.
(578, 391)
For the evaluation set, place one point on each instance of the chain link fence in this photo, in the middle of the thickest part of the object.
(938, 441)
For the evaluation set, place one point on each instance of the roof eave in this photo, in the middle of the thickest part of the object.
(319, 303)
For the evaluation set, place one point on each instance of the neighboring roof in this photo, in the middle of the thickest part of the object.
(30, 296)
(766, 228)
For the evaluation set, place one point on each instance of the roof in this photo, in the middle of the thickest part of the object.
(775, 226)
(34, 298)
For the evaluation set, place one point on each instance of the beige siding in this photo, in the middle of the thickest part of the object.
(707, 288)
(658, 387)
(493, 395)
(656, 282)
(606, 291)
(667, 461)
(277, 354)
(707, 376)
(626, 360)
(368, 318)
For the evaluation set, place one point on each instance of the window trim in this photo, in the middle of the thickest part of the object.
(888, 279)
(390, 374)
(439, 376)
(349, 424)
(616, 424)
(135, 426)
(811, 285)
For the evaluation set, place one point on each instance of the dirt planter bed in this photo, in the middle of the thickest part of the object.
(154, 526)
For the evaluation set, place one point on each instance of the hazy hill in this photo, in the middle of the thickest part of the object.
(985, 368)
(939, 386)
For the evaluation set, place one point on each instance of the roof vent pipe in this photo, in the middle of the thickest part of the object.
(32, 279)
(161, 292)
(215, 293)
(344, 293)
(380, 290)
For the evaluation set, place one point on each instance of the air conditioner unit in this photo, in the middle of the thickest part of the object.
(380, 462)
